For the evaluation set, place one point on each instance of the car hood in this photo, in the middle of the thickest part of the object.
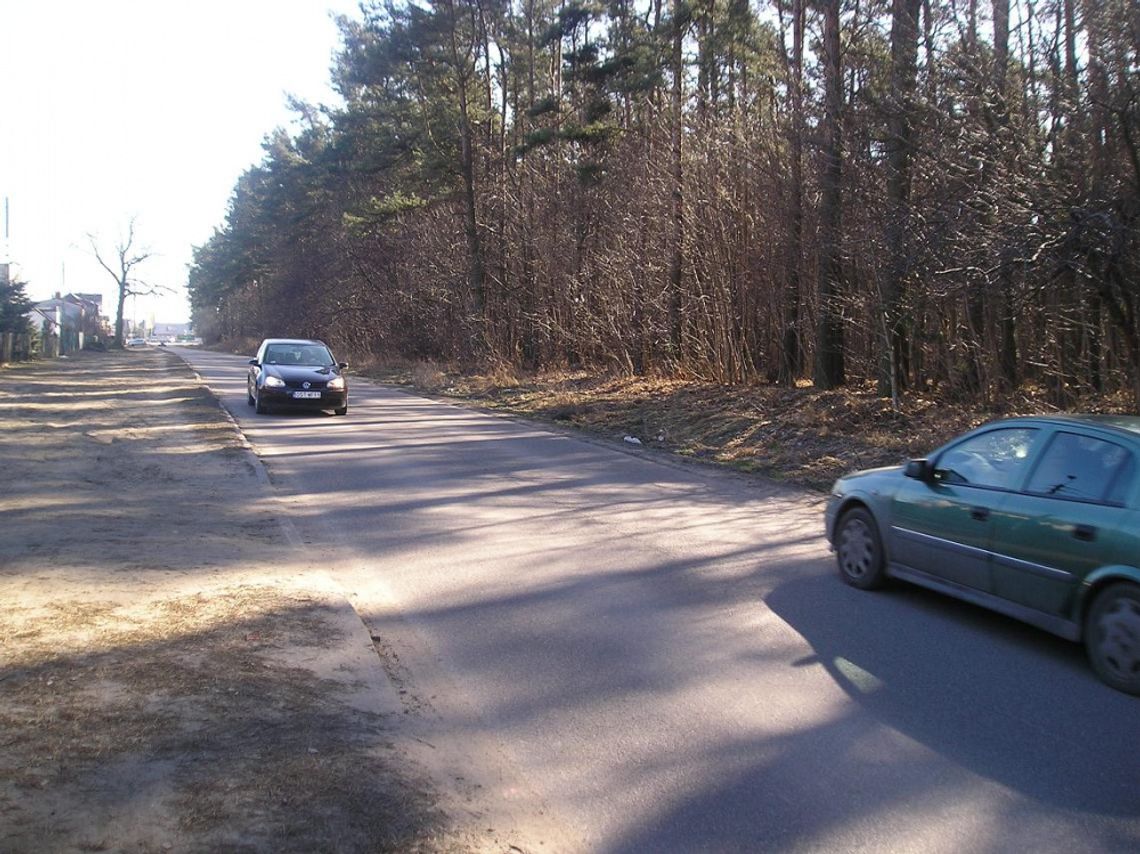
(878, 478)
(300, 373)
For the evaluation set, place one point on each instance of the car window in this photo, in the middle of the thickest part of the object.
(1121, 486)
(1083, 468)
(994, 459)
(298, 354)
(316, 356)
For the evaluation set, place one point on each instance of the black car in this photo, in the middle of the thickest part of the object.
(295, 373)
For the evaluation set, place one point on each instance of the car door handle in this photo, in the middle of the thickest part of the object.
(981, 514)
(1084, 533)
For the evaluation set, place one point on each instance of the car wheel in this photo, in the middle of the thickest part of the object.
(259, 407)
(859, 551)
(341, 410)
(1112, 636)
(249, 396)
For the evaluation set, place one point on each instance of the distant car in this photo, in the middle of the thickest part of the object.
(293, 373)
(1036, 518)
(136, 342)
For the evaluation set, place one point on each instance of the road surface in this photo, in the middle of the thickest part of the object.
(624, 654)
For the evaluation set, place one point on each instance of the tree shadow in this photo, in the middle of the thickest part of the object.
(862, 720)
(950, 709)
(201, 737)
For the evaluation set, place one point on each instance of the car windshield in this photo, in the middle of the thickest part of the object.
(309, 355)
(993, 459)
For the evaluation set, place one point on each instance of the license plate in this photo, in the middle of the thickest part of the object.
(307, 395)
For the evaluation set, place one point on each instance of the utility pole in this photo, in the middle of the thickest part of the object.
(5, 261)
(4, 253)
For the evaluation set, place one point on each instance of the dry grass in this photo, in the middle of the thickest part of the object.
(427, 376)
(256, 753)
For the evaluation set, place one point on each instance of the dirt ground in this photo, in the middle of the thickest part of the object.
(172, 677)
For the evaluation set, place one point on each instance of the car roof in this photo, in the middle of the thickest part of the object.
(292, 341)
(1129, 424)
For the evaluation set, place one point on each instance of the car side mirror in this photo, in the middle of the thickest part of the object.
(254, 362)
(342, 365)
(917, 469)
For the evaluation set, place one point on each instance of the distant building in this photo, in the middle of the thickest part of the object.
(170, 331)
(94, 299)
(72, 322)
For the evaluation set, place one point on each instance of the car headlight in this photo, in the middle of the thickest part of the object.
(274, 382)
(336, 384)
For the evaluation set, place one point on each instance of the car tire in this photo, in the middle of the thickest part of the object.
(1112, 636)
(341, 410)
(859, 550)
(249, 396)
(259, 407)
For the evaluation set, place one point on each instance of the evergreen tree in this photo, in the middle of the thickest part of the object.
(14, 306)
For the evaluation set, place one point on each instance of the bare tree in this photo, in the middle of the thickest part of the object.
(120, 263)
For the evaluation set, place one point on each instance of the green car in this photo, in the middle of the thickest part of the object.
(1037, 518)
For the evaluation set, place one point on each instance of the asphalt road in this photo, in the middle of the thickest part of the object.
(647, 656)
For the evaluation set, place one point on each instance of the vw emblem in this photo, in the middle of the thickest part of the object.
(305, 385)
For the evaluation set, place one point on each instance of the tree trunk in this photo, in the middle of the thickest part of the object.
(119, 308)
(463, 66)
(791, 351)
(676, 260)
(900, 145)
(1008, 321)
(829, 365)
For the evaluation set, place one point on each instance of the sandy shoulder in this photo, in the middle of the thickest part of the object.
(172, 675)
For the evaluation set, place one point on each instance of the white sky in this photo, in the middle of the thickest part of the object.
(148, 108)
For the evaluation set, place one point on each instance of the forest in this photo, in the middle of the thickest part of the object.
(919, 194)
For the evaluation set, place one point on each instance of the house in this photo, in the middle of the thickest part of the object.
(95, 299)
(68, 323)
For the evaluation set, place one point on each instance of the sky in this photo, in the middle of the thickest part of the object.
(145, 109)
